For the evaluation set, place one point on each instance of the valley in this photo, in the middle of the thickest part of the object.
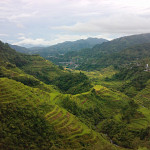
(101, 104)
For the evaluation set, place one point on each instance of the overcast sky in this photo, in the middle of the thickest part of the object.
(47, 22)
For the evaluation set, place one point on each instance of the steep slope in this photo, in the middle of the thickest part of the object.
(31, 120)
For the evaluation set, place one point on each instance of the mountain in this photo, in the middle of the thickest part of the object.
(122, 43)
(118, 51)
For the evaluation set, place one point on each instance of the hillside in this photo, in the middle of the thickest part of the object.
(19, 49)
(122, 43)
(41, 69)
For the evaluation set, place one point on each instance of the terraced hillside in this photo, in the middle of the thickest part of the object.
(31, 120)
(12, 72)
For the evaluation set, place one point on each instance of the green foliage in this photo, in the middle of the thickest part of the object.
(143, 96)
(29, 120)
(137, 79)
(40, 69)
(24, 128)
(129, 111)
(90, 116)
(118, 132)
(73, 83)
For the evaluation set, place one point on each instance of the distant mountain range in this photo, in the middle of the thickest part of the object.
(60, 48)
(93, 53)
(118, 51)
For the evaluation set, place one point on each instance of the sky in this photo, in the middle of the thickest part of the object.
(48, 22)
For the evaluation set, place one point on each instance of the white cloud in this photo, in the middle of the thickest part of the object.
(30, 41)
(63, 38)
(20, 34)
(122, 23)
(3, 35)
(108, 18)
(57, 39)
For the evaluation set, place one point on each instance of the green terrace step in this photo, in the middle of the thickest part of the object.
(52, 113)
(67, 130)
(75, 131)
(63, 122)
(66, 125)
(82, 135)
(55, 117)
(70, 122)
(60, 119)
(93, 140)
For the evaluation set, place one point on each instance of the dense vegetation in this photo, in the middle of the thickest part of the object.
(73, 83)
(31, 120)
(43, 106)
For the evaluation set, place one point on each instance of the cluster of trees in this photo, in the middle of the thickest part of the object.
(130, 111)
(118, 132)
(73, 83)
(122, 135)
(24, 128)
